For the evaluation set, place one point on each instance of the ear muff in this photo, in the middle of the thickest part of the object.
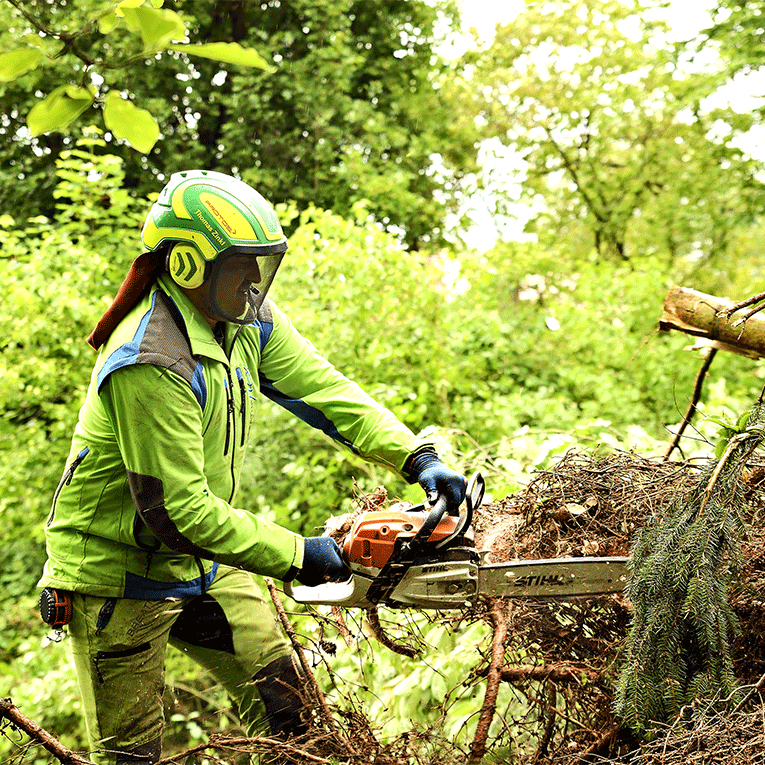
(186, 265)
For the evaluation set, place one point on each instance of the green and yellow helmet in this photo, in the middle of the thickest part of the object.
(202, 218)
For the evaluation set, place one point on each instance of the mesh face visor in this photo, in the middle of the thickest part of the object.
(248, 266)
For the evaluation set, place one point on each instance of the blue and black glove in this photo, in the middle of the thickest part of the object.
(436, 479)
(322, 562)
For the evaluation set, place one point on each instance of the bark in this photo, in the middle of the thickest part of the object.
(707, 317)
(10, 712)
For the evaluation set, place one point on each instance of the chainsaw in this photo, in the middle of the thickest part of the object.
(422, 557)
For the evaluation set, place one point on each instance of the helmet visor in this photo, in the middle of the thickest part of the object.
(240, 281)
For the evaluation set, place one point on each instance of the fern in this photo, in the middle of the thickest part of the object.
(679, 644)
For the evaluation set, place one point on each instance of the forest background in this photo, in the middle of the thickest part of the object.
(372, 131)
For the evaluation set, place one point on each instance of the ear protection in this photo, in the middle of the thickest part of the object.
(186, 265)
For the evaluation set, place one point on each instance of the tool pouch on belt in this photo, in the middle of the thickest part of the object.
(56, 607)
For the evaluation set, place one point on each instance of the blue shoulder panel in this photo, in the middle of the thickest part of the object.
(127, 354)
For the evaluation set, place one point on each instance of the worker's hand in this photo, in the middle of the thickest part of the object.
(322, 562)
(437, 479)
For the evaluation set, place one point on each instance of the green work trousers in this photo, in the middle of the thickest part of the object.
(119, 647)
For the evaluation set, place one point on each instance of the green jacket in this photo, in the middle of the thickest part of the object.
(146, 507)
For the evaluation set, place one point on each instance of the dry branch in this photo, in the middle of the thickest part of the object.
(707, 317)
(308, 677)
(373, 620)
(9, 711)
(498, 611)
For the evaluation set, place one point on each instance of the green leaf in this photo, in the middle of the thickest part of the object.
(127, 121)
(16, 62)
(157, 27)
(228, 53)
(61, 107)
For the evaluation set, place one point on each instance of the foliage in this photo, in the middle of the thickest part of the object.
(128, 32)
(683, 567)
(619, 143)
(48, 274)
(510, 357)
(737, 30)
(349, 106)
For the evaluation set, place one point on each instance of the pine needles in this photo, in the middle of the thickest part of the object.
(679, 645)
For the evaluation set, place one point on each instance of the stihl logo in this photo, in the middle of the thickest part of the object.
(539, 581)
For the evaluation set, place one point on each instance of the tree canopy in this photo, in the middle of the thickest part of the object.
(317, 102)
(612, 123)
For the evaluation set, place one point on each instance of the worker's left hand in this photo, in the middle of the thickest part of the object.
(322, 562)
(437, 479)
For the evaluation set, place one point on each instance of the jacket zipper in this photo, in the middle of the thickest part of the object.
(243, 398)
(229, 411)
(66, 479)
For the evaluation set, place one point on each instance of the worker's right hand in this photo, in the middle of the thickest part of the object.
(322, 562)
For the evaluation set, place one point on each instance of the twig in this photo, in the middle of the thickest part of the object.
(603, 741)
(697, 388)
(308, 677)
(549, 729)
(498, 613)
(11, 712)
(733, 444)
(728, 312)
(741, 704)
(246, 744)
(342, 627)
(373, 619)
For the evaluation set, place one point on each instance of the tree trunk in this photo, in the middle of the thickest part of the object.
(698, 314)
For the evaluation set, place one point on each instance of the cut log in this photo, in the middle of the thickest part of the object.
(699, 315)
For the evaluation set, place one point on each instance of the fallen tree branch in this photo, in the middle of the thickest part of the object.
(705, 316)
(565, 673)
(248, 744)
(498, 612)
(308, 677)
(9, 711)
(373, 620)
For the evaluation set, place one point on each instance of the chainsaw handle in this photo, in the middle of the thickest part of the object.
(473, 499)
(435, 515)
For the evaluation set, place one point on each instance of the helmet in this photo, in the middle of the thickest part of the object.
(205, 218)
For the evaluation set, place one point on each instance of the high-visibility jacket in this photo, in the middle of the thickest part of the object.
(147, 507)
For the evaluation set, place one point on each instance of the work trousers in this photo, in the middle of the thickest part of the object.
(119, 647)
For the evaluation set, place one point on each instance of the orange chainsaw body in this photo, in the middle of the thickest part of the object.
(372, 538)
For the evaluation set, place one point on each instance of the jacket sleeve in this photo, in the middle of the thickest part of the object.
(295, 376)
(157, 422)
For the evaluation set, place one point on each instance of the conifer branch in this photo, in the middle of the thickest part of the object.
(679, 645)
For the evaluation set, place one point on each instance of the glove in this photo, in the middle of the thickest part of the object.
(322, 562)
(435, 478)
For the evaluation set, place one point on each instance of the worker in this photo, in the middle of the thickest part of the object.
(147, 536)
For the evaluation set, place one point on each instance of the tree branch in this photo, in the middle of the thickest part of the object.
(498, 613)
(373, 619)
(10, 712)
(308, 677)
(695, 398)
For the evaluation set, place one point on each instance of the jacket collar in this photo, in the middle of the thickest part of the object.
(200, 334)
